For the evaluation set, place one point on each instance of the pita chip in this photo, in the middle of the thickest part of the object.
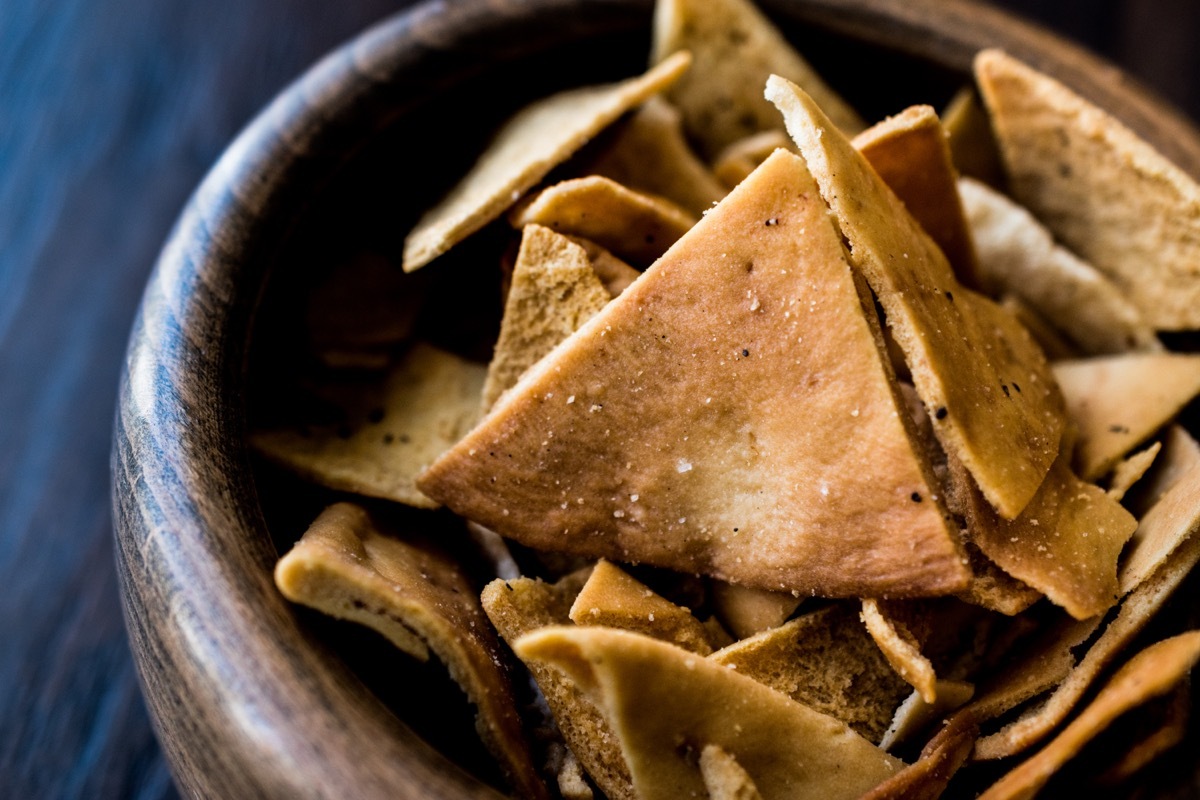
(739, 394)
(901, 647)
(1120, 401)
(633, 225)
(520, 606)
(1153, 672)
(649, 153)
(738, 160)
(346, 566)
(736, 48)
(554, 290)
(533, 142)
(985, 382)
(1180, 452)
(615, 599)
(746, 611)
(615, 274)
(1130, 470)
(911, 154)
(827, 661)
(914, 714)
(1097, 186)
(972, 143)
(928, 776)
(697, 703)
(724, 778)
(424, 404)
(1018, 255)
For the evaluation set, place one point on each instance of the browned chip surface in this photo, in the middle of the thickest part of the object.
(554, 290)
(826, 661)
(615, 599)
(1018, 255)
(1105, 193)
(520, 606)
(736, 49)
(650, 153)
(635, 226)
(696, 702)
(416, 596)
(986, 384)
(698, 389)
(1119, 401)
(1152, 672)
(523, 151)
(426, 403)
(911, 154)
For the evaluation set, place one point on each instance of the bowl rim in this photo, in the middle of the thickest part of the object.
(241, 697)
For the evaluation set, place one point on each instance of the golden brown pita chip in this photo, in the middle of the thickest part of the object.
(1176, 549)
(391, 432)
(650, 154)
(826, 661)
(699, 386)
(1130, 470)
(901, 648)
(988, 387)
(418, 597)
(533, 142)
(1151, 673)
(554, 290)
(1120, 401)
(972, 143)
(738, 160)
(1102, 191)
(914, 714)
(1065, 543)
(993, 588)
(910, 153)
(724, 778)
(927, 778)
(746, 612)
(524, 605)
(1018, 255)
(697, 702)
(636, 226)
(615, 599)
(736, 48)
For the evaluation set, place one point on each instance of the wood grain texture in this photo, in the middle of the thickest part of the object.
(110, 111)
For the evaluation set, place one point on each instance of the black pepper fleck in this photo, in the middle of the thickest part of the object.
(1118, 429)
(950, 296)
(745, 353)
(388, 438)
(1017, 386)
(1004, 388)
(916, 497)
(941, 412)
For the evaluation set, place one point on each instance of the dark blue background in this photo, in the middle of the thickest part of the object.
(110, 112)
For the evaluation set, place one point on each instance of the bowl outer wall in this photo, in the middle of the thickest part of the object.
(244, 700)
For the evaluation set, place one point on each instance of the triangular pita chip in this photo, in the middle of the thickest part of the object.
(346, 566)
(1104, 192)
(649, 153)
(539, 138)
(636, 226)
(524, 605)
(1151, 673)
(724, 778)
(1065, 543)
(696, 702)
(615, 599)
(733, 164)
(1120, 401)
(554, 290)
(426, 403)
(746, 611)
(986, 384)
(1130, 470)
(736, 48)
(910, 153)
(972, 143)
(737, 396)
(826, 661)
(1019, 255)
(914, 714)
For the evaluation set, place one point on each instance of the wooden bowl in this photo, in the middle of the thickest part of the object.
(245, 694)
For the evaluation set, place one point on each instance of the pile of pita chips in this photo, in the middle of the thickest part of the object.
(788, 398)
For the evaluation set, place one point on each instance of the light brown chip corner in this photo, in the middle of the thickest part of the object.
(524, 150)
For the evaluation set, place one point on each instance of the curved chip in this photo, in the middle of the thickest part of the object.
(636, 226)
(985, 383)
(416, 596)
(533, 142)
(736, 48)
(901, 647)
(699, 387)
(696, 703)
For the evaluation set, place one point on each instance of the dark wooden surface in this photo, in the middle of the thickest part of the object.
(110, 112)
